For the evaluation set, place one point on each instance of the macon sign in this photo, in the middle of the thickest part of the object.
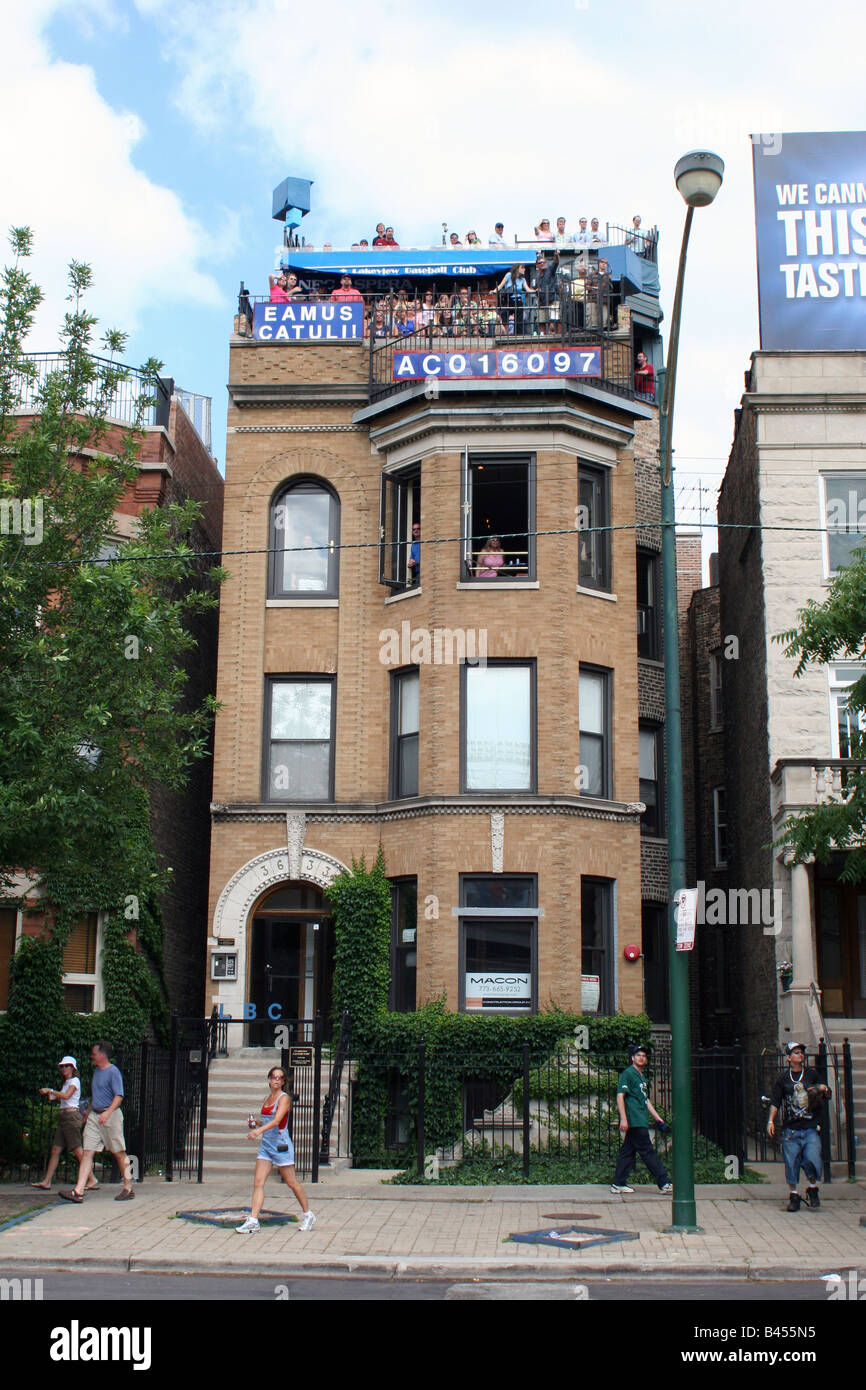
(296, 323)
(498, 990)
(563, 362)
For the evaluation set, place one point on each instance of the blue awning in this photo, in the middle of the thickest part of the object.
(388, 264)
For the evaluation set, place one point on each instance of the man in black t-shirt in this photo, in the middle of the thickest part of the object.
(799, 1095)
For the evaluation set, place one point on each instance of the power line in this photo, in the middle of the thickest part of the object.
(331, 547)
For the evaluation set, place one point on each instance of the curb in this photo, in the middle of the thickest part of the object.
(430, 1267)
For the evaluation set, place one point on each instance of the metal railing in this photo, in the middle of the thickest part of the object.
(123, 404)
(198, 408)
(520, 1110)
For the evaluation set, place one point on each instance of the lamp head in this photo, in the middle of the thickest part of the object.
(698, 177)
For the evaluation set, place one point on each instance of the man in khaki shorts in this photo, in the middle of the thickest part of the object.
(104, 1126)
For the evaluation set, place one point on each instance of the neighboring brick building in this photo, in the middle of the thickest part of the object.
(714, 1017)
(798, 459)
(511, 834)
(174, 464)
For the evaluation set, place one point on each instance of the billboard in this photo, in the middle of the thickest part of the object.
(810, 224)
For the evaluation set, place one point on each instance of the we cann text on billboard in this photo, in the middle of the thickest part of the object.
(810, 218)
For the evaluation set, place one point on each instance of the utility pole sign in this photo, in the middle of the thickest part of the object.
(687, 916)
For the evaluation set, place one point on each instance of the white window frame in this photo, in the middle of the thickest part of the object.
(95, 978)
(831, 475)
(837, 684)
(718, 861)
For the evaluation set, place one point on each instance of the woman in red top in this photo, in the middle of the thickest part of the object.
(275, 1151)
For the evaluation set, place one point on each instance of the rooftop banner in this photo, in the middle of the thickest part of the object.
(388, 264)
(301, 323)
(810, 223)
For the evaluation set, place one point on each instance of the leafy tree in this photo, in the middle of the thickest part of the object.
(93, 639)
(833, 631)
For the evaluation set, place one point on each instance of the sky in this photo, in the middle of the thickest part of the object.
(145, 137)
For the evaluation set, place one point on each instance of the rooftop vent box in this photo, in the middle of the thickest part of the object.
(292, 201)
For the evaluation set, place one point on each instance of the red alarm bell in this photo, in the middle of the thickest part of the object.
(632, 952)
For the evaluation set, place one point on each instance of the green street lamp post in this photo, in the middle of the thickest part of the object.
(698, 177)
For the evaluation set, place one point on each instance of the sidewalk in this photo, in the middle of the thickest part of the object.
(460, 1232)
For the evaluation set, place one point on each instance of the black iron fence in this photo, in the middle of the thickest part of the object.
(428, 1111)
(124, 401)
(164, 1108)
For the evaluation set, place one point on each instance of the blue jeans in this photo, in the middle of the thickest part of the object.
(801, 1148)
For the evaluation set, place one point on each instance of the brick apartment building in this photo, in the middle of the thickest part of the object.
(506, 792)
(174, 464)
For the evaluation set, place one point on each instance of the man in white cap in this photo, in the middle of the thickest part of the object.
(68, 1132)
(799, 1093)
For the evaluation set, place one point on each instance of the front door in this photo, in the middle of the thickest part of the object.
(276, 976)
(842, 948)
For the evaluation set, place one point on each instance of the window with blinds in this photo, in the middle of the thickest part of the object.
(79, 953)
(8, 916)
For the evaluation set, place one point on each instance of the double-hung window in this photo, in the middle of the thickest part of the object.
(847, 725)
(648, 604)
(299, 738)
(593, 496)
(717, 693)
(650, 767)
(404, 945)
(304, 542)
(594, 714)
(405, 701)
(498, 518)
(80, 965)
(720, 827)
(598, 959)
(497, 721)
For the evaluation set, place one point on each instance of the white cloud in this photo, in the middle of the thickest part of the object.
(69, 173)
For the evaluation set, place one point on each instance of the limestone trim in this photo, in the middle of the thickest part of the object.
(497, 840)
(294, 429)
(374, 815)
(267, 870)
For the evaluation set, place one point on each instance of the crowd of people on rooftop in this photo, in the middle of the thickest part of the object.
(589, 233)
(535, 298)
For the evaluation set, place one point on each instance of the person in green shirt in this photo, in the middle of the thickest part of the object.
(635, 1108)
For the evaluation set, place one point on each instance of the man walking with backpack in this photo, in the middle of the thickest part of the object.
(799, 1094)
(635, 1108)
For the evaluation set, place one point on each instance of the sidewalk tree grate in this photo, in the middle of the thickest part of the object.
(573, 1237)
(233, 1216)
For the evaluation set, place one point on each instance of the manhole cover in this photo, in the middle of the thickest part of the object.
(233, 1216)
(569, 1216)
(573, 1237)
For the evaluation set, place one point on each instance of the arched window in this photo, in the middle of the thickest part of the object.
(304, 539)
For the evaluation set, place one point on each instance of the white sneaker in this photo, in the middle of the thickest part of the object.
(614, 1188)
(668, 1188)
(307, 1221)
(250, 1225)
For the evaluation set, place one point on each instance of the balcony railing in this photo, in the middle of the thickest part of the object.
(552, 322)
(123, 403)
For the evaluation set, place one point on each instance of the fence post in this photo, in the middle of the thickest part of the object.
(172, 1097)
(850, 1136)
(526, 1110)
(317, 1093)
(143, 1104)
(821, 1060)
(202, 1105)
(419, 1121)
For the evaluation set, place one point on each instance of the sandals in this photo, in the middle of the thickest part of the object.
(125, 1196)
(71, 1196)
(42, 1186)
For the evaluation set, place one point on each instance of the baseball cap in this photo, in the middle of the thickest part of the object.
(794, 1047)
(638, 1047)
(68, 1061)
(499, 224)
